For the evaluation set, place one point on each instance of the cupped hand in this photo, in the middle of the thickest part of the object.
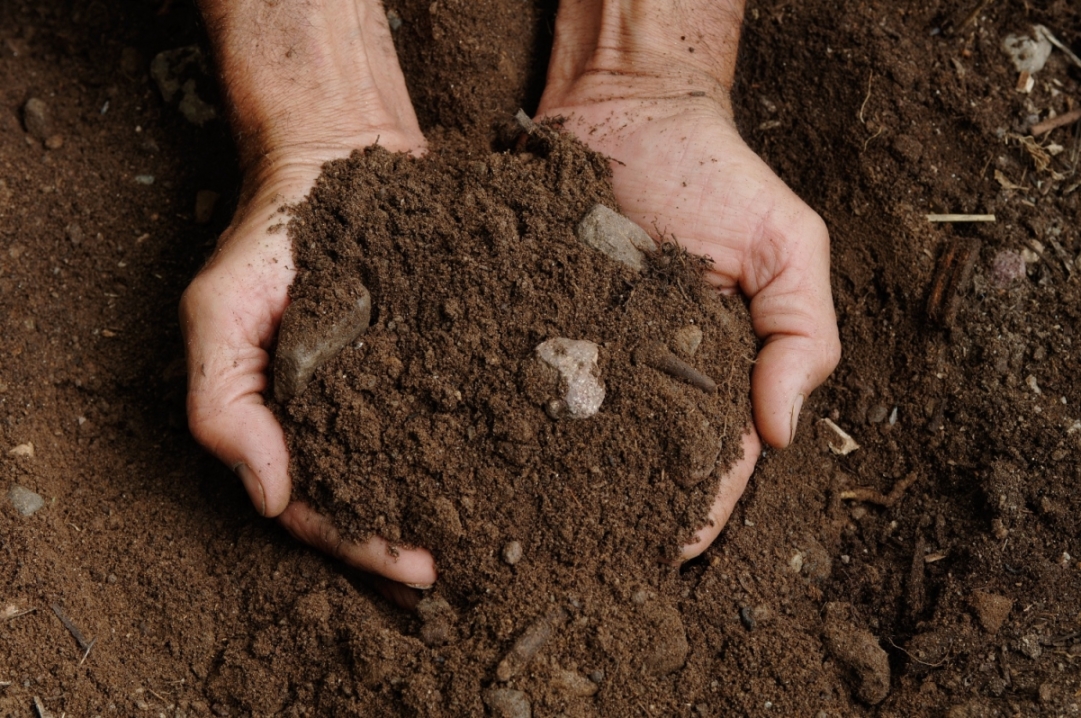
(681, 170)
(229, 316)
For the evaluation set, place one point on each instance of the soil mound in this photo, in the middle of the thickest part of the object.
(446, 425)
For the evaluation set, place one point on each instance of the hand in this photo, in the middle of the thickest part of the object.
(680, 168)
(289, 126)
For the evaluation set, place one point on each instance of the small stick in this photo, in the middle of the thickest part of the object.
(871, 496)
(5, 684)
(92, 642)
(657, 356)
(42, 711)
(75, 632)
(1056, 122)
(961, 218)
(15, 615)
(951, 279)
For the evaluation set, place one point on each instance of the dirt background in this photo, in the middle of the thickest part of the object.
(875, 113)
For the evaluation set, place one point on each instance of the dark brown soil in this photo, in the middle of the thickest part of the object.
(437, 427)
(875, 113)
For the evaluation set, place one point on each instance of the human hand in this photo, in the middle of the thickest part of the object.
(680, 169)
(290, 123)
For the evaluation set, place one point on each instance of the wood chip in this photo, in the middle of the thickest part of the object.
(75, 632)
(931, 558)
(961, 218)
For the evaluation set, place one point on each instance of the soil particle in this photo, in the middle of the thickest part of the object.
(991, 609)
(668, 647)
(512, 552)
(859, 652)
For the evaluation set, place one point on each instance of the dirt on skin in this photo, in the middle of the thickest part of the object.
(875, 113)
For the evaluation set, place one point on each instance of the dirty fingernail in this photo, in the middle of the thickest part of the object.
(253, 485)
(797, 405)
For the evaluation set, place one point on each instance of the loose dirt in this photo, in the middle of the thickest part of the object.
(875, 113)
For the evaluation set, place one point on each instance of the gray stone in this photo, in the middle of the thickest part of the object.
(25, 501)
(314, 332)
(36, 118)
(508, 703)
(576, 361)
(616, 236)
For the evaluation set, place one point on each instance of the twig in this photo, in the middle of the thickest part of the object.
(1059, 44)
(75, 632)
(92, 642)
(42, 711)
(1056, 122)
(657, 356)
(961, 218)
(15, 615)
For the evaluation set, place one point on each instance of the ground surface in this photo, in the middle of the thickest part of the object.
(875, 113)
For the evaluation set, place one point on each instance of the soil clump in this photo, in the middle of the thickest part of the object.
(443, 425)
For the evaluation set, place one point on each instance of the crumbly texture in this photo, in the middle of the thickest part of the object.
(200, 607)
(436, 428)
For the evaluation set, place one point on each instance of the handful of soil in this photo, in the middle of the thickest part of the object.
(452, 422)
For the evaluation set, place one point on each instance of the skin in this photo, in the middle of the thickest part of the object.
(308, 81)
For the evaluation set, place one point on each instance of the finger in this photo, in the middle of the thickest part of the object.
(227, 319)
(731, 488)
(787, 277)
(414, 567)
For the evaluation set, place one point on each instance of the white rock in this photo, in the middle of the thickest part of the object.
(25, 501)
(1029, 54)
(576, 362)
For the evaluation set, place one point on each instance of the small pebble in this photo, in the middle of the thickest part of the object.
(878, 414)
(687, 340)
(746, 617)
(54, 142)
(74, 233)
(36, 118)
(597, 676)
(616, 236)
(144, 179)
(512, 553)
(25, 501)
(394, 20)
(574, 683)
(508, 703)
(1006, 268)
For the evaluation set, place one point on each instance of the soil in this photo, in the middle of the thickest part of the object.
(958, 595)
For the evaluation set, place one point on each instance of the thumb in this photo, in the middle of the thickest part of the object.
(792, 312)
(227, 366)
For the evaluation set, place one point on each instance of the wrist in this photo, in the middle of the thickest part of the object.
(309, 82)
(645, 49)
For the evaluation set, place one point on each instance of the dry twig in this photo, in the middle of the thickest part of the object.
(1056, 122)
(871, 496)
(72, 628)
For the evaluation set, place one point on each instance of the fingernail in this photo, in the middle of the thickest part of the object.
(420, 586)
(797, 405)
(253, 485)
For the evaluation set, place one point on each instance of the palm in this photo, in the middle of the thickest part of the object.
(681, 170)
